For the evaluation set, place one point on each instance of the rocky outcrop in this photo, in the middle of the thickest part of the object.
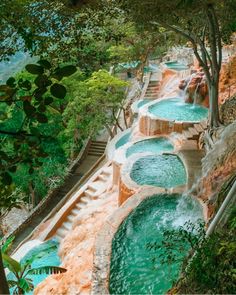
(228, 111)
(227, 86)
(195, 89)
(218, 166)
(76, 250)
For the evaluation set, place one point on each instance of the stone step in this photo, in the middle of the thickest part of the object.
(61, 232)
(84, 200)
(193, 131)
(97, 154)
(106, 171)
(198, 127)
(204, 124)
(103, 178)
(67, 225)
(95, 148)
(187, 134)
(75, 211)
(71, 218)
(80, 205)
(91, 188)
(101, 143)
(89, 194)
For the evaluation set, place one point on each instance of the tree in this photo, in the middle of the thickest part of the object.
(95, 103)
(203, 23)
(25, 105)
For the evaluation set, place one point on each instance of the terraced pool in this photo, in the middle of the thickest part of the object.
(159, 170)
(135, 268)
(176, 109)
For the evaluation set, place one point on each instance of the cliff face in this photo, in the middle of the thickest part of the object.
(196, 90)
(76, 251)
(219, 165)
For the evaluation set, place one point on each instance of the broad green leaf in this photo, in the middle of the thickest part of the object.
(34, 69)
(65, 71)
(44, 63)
(48, 100)
(42, 81)
(7, 244)
(24, 284)
(11, 82)
(11, 263)
(41, 118)
(26, 85)
(58, 90)
(28, 108)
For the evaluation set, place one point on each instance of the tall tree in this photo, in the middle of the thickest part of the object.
(204, 23)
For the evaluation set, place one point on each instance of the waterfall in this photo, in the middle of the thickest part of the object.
(195, 95)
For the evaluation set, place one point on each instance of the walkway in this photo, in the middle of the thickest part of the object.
(75, 179)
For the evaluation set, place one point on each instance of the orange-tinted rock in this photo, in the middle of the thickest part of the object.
(76, 251)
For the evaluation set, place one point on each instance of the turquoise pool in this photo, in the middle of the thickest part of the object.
(155, 145)
(159, 170)
(176, 109)
(142, 102)
(44, 254)
(123, 140)
(174, 65)
(134, 268)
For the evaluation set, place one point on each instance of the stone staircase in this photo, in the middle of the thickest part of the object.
(97, 148)
(190, 137)
(91, 193)
(152, 90)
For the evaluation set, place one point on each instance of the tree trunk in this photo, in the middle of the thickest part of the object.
(3, 281)
(214, 115)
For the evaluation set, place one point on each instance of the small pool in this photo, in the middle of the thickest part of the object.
(123, 140)
(134, 268)
(142, 102)
(176, 109)
(155, 145)
(174, 65)
(44, 254)
(159, 170)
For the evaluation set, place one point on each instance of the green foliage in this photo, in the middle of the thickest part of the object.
(100, 92)
(210, 266)
(29, 130)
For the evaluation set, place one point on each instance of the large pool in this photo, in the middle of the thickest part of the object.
(134, 268)
(159, 170)
(176, 109)
(44, 254)
(174, 65)
(155, 145)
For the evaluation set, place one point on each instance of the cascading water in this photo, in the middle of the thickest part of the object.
(135, 269)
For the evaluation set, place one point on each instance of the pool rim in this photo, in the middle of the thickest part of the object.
(129, 183)
(144, 111)
(119, 155)
(103, 242)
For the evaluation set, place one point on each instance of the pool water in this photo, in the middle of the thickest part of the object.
(143, 102)
(174, 65)
(44, 254)
(176, 109)
(155, 145)
(123, 140)
(159, 170)
(134, 268)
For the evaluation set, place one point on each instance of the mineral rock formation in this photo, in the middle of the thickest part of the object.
(77, 249)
